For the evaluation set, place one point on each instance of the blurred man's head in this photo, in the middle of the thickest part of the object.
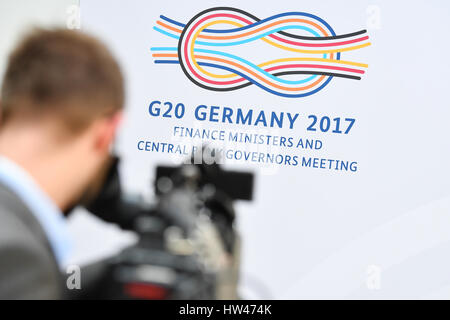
(61, 101)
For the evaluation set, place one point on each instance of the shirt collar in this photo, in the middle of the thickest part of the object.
(41, 206)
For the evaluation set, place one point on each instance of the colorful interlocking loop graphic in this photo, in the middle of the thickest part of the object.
(314, 51)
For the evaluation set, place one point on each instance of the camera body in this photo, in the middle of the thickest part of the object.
(188, 246)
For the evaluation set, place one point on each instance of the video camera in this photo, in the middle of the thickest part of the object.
(188, 246)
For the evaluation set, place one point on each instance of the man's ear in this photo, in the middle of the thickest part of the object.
(107, 129)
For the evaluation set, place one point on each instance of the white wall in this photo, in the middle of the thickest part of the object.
(16, 18)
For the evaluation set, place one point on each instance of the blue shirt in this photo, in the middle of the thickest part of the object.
(42, 207)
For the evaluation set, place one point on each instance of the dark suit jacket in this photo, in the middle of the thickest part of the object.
(28, 269)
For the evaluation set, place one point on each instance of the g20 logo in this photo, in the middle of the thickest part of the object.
(312, 51)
